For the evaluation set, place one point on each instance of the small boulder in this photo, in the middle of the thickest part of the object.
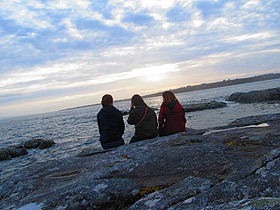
(203, 106)
(4, 154)
(41, 143)
(46, 143)
(17, 150)
(33, 143)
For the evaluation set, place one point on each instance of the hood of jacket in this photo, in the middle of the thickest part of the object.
(174, 106)
(108, 111)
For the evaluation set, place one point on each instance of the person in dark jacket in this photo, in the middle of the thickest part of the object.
(171, 117)
(143, 118)
(110, 124)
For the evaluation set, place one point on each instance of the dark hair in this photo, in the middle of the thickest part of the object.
(137, 100)
(107, 100)
(168, 97)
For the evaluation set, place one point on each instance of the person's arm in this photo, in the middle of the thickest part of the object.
(122, 126)
(99, 124)
(183, 114)
(131, 117)
(155, 116)
(161, 118)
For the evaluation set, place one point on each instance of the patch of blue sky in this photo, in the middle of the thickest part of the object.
(55, 17)
(178, 14)
(90, 24)
(103, 7)
(138, 19)
(110, 34)
(8, 27)
(211, 8)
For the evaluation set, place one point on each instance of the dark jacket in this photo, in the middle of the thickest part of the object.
(147, 128)
(171, 119)
(111, 127)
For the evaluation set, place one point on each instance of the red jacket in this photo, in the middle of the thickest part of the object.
(171, 119)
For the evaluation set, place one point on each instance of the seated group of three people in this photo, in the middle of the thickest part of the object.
(111, 126)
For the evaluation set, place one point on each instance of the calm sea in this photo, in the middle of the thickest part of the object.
(75, 129)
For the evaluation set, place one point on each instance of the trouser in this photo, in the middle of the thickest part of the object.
(112, 144)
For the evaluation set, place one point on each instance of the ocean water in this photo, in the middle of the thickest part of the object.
(75, 129)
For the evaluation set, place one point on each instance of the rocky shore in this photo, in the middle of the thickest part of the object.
(203, 106)
(14, 151)
(231, 167)
(256, 96)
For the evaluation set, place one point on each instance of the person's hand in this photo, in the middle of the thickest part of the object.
(131, 107)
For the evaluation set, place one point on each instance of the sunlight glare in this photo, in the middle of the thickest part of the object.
(156, 73)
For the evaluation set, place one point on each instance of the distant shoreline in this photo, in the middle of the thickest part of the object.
(203, 86)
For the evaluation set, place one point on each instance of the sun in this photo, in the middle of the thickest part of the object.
(155, 77)
(156, 73)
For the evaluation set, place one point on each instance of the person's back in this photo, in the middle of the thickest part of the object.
(148, 127)
(110, 124)
(143, 118)
(171, 116)
(172, 119)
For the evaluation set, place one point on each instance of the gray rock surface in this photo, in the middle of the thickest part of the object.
(237, 168)
(12, 152)
(4, 154)
(256, 96)
(41, 143)
(203, 106)
(19, 150)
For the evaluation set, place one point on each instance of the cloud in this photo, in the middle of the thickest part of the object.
(57, 48)
(249, 37)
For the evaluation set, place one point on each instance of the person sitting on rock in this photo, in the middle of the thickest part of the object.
(110, 124)
(143, 118)
(171, 117)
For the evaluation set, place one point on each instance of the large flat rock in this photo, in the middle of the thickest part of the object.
(182, 171)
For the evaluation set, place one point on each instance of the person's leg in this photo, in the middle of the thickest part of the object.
(113, 144)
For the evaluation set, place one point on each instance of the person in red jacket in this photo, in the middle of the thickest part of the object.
(171, 117)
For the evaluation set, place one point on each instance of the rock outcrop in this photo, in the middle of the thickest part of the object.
(19, 150)
(41, 143)
(203, 106)
(233, 168)
(12, 152)
(256, 96)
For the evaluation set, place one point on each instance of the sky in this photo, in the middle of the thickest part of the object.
(57, 54)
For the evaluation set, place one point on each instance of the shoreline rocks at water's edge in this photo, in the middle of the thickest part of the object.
(249, 97)
(272, 94)
(225, 169)
(203, 106)
(20, 150)
(12, 152)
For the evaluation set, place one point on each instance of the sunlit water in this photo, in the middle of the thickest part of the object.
(75, 129)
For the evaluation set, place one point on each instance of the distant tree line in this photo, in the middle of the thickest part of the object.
(204, 86)
(220, 84)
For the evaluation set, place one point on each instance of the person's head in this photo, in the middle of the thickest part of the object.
(168, 97)
(107, 100)
(137, 100)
